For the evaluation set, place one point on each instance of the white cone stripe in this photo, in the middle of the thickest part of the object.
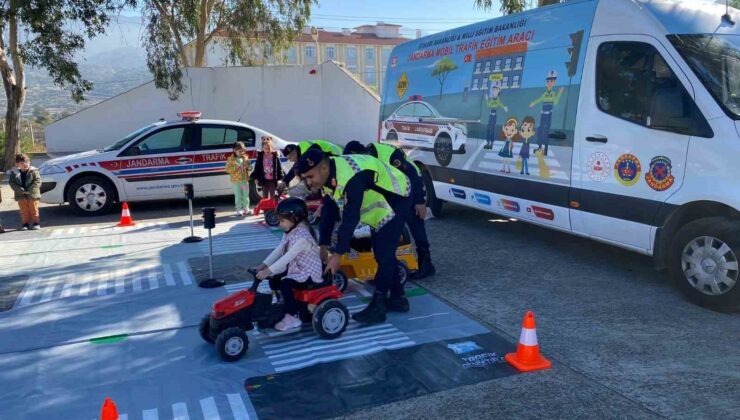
(238, 409)
(342, 350)
(151, 414)
(184, 273)
(351, 331)
(308, 335)
(326, 359)
(180, 411)
(528, 337)
(335, 344)
(208, 406)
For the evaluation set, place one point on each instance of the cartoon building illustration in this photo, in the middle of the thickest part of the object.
(505, 64)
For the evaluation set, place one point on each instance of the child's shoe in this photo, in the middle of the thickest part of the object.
(288, 323)
(36, 226)
(239, 213)
(24, 227)
(1, 229)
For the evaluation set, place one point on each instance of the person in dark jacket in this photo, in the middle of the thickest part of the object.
(267, 169)
(25, 181)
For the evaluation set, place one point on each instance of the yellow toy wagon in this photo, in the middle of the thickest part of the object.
(359, 263)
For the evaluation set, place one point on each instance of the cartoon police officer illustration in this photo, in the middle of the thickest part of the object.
(548, 99)
(494, 102)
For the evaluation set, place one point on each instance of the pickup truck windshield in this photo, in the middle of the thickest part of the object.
(124, 141)
(715, 59)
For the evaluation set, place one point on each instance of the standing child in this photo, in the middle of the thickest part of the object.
(26, 184)
(298, 252)
(526, 132)
(238, 167)
(267, 169)
(510, 133)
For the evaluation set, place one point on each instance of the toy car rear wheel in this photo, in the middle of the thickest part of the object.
(340, 280)
(403, 273)
(204, 328)
(330, 319)
(443, 149)
(232, 343)
(271, 218)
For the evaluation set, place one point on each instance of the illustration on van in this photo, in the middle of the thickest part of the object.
(526, 132)
(493, 99)
(510, 132)
(474, 79)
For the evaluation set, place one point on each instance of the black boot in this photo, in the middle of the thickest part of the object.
(374, 312)
(426, 268)
(397, 304)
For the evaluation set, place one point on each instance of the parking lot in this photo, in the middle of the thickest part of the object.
(624, 343)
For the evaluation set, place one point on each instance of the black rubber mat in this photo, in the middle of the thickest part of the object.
(337, 388)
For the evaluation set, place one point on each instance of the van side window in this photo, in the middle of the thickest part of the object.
(634, 83)
(225, 137)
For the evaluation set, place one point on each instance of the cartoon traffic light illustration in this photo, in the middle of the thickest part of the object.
(574, 53)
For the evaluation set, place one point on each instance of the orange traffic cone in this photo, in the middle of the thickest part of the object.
(109, 411)
(126, 219)
(527, 357)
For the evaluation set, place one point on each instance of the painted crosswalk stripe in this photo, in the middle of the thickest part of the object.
(180, 411)
(269, 343)
(123, 417)
(102, 283)
(151, 414)
(210, 412)
(29, 291)
(169, 279)
(136, 282)
(46, 296)
(85, 286)
(67, 289)
(120, 277)
(363, 350)
(354, 340)
(153, 281)
(184, 273)
(237, 407)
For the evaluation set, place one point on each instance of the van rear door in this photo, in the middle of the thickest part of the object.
(636, 116)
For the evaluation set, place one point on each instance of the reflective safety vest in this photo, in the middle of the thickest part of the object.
(375, 210)
(386, 150)
(324, 145)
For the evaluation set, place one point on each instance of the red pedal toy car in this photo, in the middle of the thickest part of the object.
(231, 317)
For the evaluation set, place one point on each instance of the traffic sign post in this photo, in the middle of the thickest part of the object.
(209, 222)
(189, 194)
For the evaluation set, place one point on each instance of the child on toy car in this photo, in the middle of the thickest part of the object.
(298, 252)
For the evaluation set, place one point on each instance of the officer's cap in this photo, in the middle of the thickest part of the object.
(309, 160)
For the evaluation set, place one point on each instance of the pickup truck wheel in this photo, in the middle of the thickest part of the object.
(704, 263)
(91, 196)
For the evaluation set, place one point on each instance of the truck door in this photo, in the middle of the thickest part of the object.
(636, 115)
(159, 164)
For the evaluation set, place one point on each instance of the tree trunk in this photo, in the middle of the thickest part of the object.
(12, 129)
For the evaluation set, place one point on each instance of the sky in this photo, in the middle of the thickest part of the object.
(333, 15)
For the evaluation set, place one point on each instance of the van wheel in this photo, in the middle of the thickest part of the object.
(254, 194)
(704, 263)
(91, 196)
(433, 203)
(443, 149)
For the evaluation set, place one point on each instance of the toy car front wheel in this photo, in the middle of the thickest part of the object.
(403, 273)
(271, 218)
(232, 343)
(340, 280)
(330, 319)
(205, 329)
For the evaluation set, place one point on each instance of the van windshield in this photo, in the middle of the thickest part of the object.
(124, 141)
(715, 59)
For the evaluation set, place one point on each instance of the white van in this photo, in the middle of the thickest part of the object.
(153, 163)
(617, 120)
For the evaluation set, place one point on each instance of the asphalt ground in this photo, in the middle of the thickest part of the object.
(624, 343)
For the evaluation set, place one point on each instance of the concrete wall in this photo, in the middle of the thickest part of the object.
(287, 101)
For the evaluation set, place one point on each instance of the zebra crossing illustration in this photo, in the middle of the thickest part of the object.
(209, 408)
(230, 238)
(492, 162)
(115, 281)
(107, 230)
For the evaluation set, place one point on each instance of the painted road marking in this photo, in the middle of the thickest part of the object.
(107, 229)
(237, 407)
(180, 411)
(210, 412)
(151, 414)
(206, 408)
(41, 289)
(241, 243)
(168, 277)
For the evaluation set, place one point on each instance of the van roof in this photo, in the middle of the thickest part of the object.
(692, 16)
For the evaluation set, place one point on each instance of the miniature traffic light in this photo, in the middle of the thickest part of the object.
(209, 217)
(188, 190)
(574, 51)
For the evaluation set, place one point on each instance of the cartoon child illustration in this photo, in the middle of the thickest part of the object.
(509, 132)
(548, 99)
(526, 132)
(494, 102)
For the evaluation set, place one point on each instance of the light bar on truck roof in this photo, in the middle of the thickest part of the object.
(414, 98)
(189, 115)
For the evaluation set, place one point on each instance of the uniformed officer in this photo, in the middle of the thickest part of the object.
(548, 99)
(293, 153)
(494, 102)
(416, 214)
(363, 190)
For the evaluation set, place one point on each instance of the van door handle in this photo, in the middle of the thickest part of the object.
(597, 139)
